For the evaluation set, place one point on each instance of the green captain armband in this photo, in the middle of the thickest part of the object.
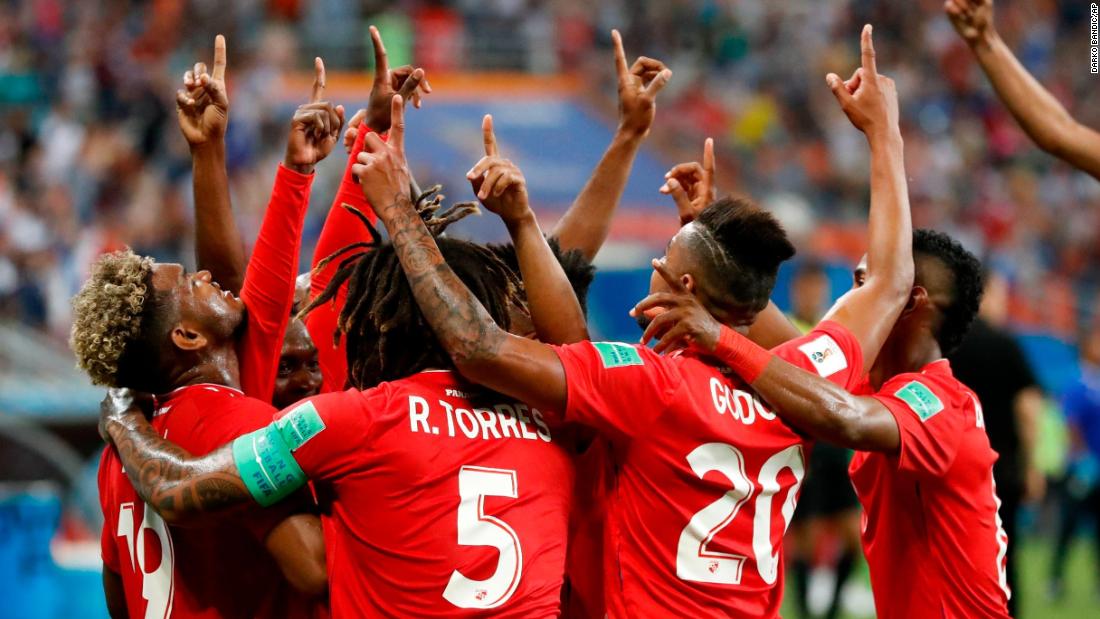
(266, 465)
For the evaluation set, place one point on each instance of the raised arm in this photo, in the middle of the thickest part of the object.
(202, 109)
(586, 224)
(1040, 115)
(501, 187)
(483, 352)
(870, 310)
(813, 404)
(268, 290)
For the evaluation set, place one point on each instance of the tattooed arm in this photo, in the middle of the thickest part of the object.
(483, 352)
(179, 486)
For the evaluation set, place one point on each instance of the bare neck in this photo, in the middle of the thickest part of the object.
(904, 352)
(216, 366)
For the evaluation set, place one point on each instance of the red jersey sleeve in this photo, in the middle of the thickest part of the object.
(268, 289)
(930, 426)
(108, 548)
(340, 230)
(617, 388)
(332, 432)
(830, 350)
(212, 431)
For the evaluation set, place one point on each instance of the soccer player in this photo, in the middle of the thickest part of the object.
(575, 239)
(1040, 115)
(706, 477)
(157, 328)
(448, 499)
(924, 469)
(203, 113)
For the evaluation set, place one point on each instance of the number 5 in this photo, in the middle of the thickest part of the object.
(475, 528)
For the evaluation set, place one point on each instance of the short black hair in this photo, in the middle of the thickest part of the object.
(966, 285)
(750, 244)
(578, 269)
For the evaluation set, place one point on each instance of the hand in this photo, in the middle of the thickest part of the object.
(692, 185)
(972, 19)
(202, 107)
(315, 128)
(406, 81)
(678, 320)
(499, 183)
(638, 88)
(120, 404)
(382, 170)
(868, 99)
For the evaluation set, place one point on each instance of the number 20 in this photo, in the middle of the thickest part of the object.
(693, 560)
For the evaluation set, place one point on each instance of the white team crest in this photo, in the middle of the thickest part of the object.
(825, 354)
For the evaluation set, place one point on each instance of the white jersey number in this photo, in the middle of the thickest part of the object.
(694, 561)
(476, 528)
(156, 586)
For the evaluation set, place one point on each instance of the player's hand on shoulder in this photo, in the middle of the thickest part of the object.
(972, 19)
(120, 404)
(691, 185)
(315, 128)
(869, 99)
(407, 81)
(677, 320)
(499, 183)
(638, 88)
(202, 106)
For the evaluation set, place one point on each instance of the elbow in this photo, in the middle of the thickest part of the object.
(474, 356)
(311, 581)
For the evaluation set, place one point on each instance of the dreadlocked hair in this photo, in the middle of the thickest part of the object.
(387, 336)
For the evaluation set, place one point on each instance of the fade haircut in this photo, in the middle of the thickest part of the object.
(120, 323)
(388, 337)
(740, 247)
(963, 291)
(578, 269)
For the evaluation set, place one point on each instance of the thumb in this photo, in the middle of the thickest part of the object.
(840, 91)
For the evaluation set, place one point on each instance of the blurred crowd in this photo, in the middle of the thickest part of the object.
(91, 158)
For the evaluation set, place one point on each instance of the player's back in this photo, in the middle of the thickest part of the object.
(707, 476)
(215, 570)
(446, 499)
(934, 504)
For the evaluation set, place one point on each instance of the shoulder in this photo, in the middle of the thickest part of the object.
(928, 394)
(828, 349)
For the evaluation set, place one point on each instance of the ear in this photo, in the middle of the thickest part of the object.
(688, 280)
(186, 337)
(918, 297)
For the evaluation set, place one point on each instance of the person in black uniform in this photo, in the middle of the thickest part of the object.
(993, 365)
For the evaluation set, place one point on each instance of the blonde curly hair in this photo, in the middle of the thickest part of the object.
(107, 314)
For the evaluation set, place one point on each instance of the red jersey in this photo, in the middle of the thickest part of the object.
(268, 288)
(447, 499)
(931, 531)
(214, 571)
(340, 230)
(705, 477)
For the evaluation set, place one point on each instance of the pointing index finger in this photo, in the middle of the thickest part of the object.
(708, 158)
(381, 65)
(488, 137)
(318, 80)
(867, 50)
(219, 58)
(620, 56)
